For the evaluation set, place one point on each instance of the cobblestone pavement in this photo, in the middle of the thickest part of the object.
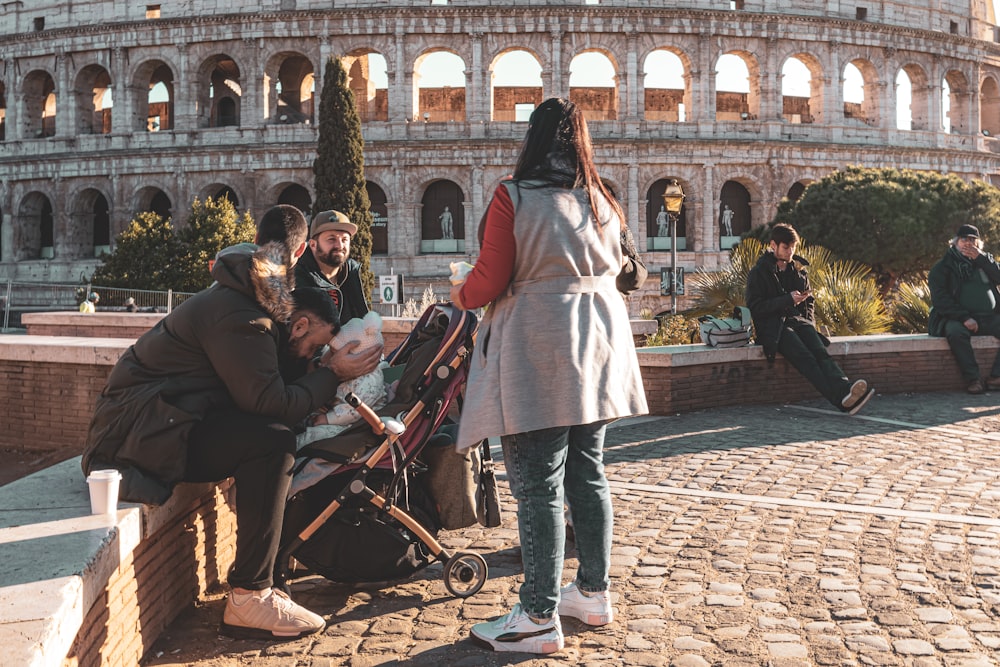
(783, 535)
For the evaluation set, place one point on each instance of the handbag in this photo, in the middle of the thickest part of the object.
(726, 332)
(462, 485)
(488, 505)
(633, 272)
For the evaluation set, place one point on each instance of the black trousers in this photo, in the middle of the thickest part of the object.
(258, 453)
(804, 349)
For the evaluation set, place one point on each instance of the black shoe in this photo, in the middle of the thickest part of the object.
(857, 391)
(993, 383)
(976, 387)
(860, 403)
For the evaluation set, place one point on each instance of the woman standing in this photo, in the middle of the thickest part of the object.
(553, 364)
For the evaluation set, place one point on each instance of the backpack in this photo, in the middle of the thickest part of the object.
(726, 332)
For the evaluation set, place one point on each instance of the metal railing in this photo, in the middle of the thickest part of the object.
(26, 297)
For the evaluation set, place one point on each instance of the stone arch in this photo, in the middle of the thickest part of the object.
(380, 218)
(440, 103)
(154, 111)
(958, 102)
(920, 97)
(442, 198)
(797, 108)
(734, 196)
(597, 102)
(295, 195)
(658, 224)
(35, 229)
(661, 101)
(367, 77)
(989, 106)
(89, 232)
(797, 188)
(92, 95)
(153, 199)
(220, 92)
(290, 88)
(866, 110)
(218, 191)
(39, 89)
(515, 101)
(736, 105)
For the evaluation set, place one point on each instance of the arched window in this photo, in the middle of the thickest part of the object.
(93, 100)
(593, 85)
(795, 191)
(516, 79)
(154, 200)
(297, 196)
(801, 94)
(737, 88)
(40, 104)
(220, 92)
(91, 225)
(368, 79)
(36, 227)
(667, 95)
(3, 112)
(439, 87)
(442, 223)
(290, 85)
(989, 104)
(380, 219)
(860, 77)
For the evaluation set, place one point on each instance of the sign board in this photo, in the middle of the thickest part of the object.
(667, 281)
(390, 288)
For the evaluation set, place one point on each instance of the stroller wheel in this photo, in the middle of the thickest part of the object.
(465, 573)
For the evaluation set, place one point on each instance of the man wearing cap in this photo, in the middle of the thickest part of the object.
(966, 303)
(327, 264)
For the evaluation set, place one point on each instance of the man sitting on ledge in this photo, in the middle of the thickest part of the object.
(199, 398)
(782, 306)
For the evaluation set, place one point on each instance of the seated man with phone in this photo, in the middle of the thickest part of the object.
(782, 306)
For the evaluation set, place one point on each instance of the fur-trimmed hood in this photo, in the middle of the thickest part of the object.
(260, 272)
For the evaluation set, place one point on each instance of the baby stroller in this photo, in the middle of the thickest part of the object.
(357, 511)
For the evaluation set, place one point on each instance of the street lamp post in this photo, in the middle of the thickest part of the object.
(673, 200)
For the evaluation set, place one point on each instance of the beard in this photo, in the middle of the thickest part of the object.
(333, 258)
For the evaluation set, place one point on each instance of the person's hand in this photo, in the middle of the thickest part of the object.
(971, 324)
(969, 248)
(348, 362)
(455, 296)
(798, 297)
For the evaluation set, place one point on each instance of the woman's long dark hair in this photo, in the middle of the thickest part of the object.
(557, 151)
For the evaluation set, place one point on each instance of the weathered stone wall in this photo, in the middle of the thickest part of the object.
(637, 145)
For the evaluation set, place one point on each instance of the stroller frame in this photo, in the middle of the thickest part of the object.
(465, 572)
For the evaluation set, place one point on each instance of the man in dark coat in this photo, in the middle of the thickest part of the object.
(327, 264)
(782, 307)
(199, 398)
(966, 302)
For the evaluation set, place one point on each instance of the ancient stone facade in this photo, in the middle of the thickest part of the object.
(108, 108)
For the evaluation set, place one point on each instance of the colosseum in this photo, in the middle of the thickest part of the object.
(109, 108)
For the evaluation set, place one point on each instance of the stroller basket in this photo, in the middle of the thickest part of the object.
(346, 518)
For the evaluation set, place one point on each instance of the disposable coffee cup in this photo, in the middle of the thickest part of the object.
(104, 491)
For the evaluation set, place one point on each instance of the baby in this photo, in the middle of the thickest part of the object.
(369, 388)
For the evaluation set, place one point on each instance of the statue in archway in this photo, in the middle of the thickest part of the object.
(662, 223)
(447, 232)
(727, 220)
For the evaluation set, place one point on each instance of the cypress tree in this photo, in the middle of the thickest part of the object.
(339, 167)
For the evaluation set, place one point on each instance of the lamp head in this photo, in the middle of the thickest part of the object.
(673, 197)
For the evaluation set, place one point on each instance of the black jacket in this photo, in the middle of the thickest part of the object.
(945, 281)
(353, 304)
(218, 349)
(770, 301)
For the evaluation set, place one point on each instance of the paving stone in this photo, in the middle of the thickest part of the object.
(913, 647)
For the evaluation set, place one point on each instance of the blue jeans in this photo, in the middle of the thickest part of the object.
(547, 468)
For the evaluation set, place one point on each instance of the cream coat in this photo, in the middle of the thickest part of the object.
(556, 348)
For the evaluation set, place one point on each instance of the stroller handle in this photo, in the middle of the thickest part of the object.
(379, 425)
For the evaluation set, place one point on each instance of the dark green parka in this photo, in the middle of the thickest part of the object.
(218, 349)
(945, 282)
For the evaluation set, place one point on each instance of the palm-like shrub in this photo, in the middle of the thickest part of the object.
(674, 330)
(911, 307)
(848, 300)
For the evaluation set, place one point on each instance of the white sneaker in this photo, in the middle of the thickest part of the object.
(517, 632)
(267, 614)
(858, 390)
(591, 608)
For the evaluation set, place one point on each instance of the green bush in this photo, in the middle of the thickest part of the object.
(674, 330)
(911, 307)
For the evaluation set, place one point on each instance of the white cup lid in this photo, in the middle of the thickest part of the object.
(103, 475)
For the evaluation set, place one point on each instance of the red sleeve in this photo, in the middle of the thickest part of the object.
(495, 265)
